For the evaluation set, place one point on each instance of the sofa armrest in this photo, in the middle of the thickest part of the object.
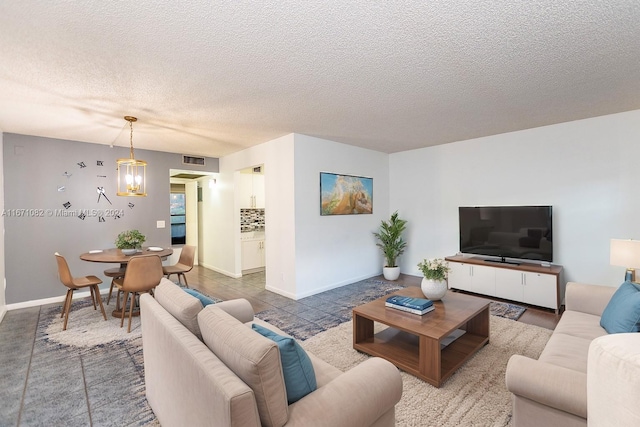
(590, 299)
(239, 308)
(613, 380)
(358, 397)
(550, 385)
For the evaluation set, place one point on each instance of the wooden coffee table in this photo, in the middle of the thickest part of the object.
(413, 342)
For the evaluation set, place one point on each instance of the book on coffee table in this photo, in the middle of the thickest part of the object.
(410, 304)
(410, 310)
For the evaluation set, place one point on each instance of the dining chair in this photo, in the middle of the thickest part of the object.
(143, 273)
(184, 265)
(75, 283)
(114, 273)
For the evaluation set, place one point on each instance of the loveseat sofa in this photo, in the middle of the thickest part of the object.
(584, 376)
(207, 367)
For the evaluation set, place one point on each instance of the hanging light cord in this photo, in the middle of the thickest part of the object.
(131, 119)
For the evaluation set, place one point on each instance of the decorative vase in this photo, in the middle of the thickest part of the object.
(391, 273)
(129, 251)
(434, 290)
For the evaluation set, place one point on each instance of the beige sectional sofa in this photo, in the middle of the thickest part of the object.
(565, 386)
(240, 382)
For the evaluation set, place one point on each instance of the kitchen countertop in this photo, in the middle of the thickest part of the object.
(252, 235)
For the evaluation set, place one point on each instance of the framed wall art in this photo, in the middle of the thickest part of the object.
(345, 194)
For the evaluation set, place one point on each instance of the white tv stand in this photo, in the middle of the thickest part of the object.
(526, 282)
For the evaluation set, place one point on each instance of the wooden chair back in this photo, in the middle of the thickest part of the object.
(142, 274)
(63, 271)
(187, 256)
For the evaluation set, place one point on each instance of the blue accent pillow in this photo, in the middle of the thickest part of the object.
(205, 300)
(299, 376)
(622, 313)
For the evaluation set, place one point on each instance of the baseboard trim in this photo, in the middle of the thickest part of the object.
(44, 301)
(217, 270)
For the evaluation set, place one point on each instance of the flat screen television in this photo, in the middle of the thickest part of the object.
(520, 232)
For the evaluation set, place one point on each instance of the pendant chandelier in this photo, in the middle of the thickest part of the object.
(132, 173)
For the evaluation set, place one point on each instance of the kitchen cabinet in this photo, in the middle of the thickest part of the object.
(253, 254)
(251, 188)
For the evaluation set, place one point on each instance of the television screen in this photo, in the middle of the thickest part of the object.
(523, 232)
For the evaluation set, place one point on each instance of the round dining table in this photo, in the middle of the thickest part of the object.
(115, 256)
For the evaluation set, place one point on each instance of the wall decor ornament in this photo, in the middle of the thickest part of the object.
(84, 212)
(345, 194)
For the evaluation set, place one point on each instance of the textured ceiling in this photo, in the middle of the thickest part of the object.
(213, 77)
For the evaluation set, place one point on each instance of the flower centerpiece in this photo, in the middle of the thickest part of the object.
(434, 284)
(129, 241)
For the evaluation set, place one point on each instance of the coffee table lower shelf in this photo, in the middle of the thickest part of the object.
(419, 355)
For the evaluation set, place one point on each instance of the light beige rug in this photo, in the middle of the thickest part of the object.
(475, 395)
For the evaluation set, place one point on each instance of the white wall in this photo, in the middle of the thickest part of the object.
(191, 215)
(220, 204)
(305, 253)
(332, 251)
(3, 283)
(586, 169)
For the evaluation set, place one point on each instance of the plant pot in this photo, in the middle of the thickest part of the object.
(129, 251)
(434, 290)
(391, 273)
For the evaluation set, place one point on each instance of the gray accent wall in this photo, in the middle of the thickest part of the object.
(37, 224)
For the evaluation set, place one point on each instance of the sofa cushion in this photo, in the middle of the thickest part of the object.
(567, 351)
(622, 313)
(252, 357)
(181, 305)
(581, 325)
(205, 300)
(299, 377)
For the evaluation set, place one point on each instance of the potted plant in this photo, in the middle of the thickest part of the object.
(130, 241)
(392, 244)
(434, 284)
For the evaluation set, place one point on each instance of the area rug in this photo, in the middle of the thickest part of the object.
(508, 311)
(86, 327)
(475, 395)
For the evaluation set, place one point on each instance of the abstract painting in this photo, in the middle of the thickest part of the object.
(345, 194)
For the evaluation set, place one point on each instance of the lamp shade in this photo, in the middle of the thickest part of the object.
(625, 253)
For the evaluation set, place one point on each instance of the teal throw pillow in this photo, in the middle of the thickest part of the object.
(299, 376)
(205, 300)
(622, 313)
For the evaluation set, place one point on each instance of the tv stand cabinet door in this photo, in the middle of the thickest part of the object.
(509, 284)
(459, 276)
(483, 280)
(472, 278)
(540, 289)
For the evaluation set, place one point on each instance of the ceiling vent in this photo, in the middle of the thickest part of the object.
(257, 169)
(192, 160)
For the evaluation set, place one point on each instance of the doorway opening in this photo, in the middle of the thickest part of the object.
(186, 207)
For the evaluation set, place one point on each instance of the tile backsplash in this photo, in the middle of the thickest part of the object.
(251, 220)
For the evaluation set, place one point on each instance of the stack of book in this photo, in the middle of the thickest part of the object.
(411, 305)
